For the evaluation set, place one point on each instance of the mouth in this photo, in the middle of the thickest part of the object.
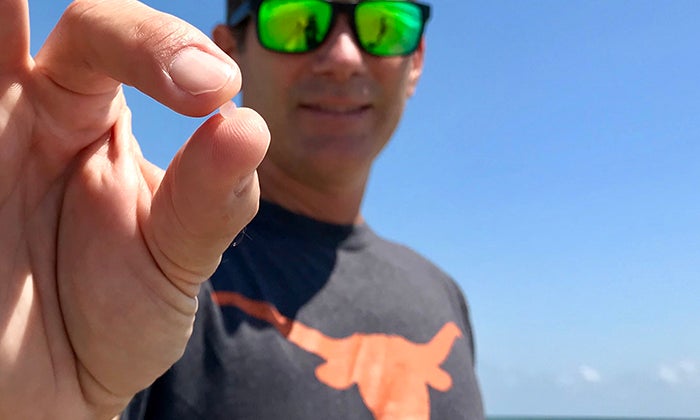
(336, 109)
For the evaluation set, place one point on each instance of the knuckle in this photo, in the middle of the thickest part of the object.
(146, 29)
(160, 34)
(79, 12)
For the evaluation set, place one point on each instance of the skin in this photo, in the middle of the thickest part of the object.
(330, 113)
(102, 253)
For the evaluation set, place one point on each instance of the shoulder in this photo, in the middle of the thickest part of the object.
(405, 259)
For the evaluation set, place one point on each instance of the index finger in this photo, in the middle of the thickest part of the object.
(99, 43)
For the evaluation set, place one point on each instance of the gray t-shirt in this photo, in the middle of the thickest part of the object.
(309, 320)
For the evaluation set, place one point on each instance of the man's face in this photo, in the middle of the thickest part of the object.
(330, 111)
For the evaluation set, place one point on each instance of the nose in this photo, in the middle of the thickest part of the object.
(340, 56)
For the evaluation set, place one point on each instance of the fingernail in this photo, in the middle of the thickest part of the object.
(244, 183)
(228, 110)
(198, 72)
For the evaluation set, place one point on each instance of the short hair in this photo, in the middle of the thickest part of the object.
(232, 5)
(240, 29)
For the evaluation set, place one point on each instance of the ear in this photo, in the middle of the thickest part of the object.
(223, 37)
(416, 68)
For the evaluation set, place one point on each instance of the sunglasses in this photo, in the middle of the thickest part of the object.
(381, 27)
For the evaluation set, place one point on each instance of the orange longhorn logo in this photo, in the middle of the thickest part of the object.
(391, 373)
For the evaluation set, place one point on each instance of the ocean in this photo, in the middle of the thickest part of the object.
(585, 418)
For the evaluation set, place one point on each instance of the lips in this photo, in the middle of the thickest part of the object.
(335, 109)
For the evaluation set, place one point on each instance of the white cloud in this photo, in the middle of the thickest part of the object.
(586, 388)
(684, 371)
(668, 374)
(688, 367)
(589, 374)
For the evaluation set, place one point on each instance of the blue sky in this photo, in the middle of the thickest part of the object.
(549, 162)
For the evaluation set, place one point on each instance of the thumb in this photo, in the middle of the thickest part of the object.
(208, 194)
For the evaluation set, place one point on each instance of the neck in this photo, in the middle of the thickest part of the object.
(336, 203)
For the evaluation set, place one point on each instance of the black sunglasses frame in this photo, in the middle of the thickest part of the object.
(250, 7)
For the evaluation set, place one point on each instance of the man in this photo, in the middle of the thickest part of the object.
(309, 316)
(312, 315)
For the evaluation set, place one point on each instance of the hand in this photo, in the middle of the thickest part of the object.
(102, 253)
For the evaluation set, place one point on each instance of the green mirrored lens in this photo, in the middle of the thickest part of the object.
(293, 26)
(389, 27)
